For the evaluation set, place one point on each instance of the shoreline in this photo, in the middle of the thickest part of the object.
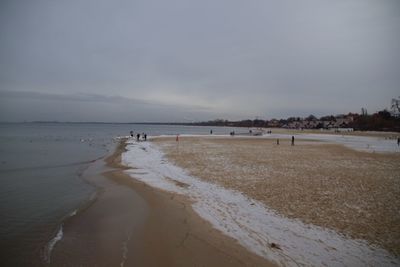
(158, 228)
(175, 235)
(96, 234)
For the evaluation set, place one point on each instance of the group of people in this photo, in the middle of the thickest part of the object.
(393, 137)
(144, 136)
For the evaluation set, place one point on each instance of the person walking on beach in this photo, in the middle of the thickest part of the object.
(137, 137)
(292, 140)
(211, 132)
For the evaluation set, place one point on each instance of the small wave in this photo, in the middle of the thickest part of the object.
(60, 233)
(52, 243)
(50, 166)
(73, 213)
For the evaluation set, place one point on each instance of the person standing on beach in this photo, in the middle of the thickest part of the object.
(277, 141)
(211, 132)
(292, 140)
(137, 137)
(145, 137)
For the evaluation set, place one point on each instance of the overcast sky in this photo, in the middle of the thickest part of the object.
(183, 60)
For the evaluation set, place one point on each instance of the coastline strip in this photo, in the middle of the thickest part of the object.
(132, 224)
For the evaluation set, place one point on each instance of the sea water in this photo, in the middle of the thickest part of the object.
(41, 184)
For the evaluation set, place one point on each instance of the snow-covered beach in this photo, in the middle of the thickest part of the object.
(256, 226)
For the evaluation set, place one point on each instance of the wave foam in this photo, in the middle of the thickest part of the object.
(52, 243)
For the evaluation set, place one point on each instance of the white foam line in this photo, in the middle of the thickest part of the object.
(56, 238)
(52, 243)
(73, 213)
(254, 225)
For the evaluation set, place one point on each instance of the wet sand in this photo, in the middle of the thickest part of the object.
(132, 224)
(355, 193)
(101, 232)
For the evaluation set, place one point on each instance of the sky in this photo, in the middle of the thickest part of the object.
(184, 60)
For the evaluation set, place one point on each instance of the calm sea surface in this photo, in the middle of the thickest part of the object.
(41, 165)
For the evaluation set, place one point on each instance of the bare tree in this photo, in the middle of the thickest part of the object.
(395, 106)
(364, 112)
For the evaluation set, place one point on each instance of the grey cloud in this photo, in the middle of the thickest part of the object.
(225, 58)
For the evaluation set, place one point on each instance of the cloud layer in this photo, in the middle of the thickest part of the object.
(178, 60)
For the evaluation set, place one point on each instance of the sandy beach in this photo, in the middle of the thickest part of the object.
(329, 185)
(132, 224)
(327, 200)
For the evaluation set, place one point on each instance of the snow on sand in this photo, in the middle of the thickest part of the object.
(361, 143)
(285, 241)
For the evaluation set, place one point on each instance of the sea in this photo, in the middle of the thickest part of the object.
(41, 178)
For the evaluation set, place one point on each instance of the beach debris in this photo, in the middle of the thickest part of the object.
(274, 245)
(177, 183)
